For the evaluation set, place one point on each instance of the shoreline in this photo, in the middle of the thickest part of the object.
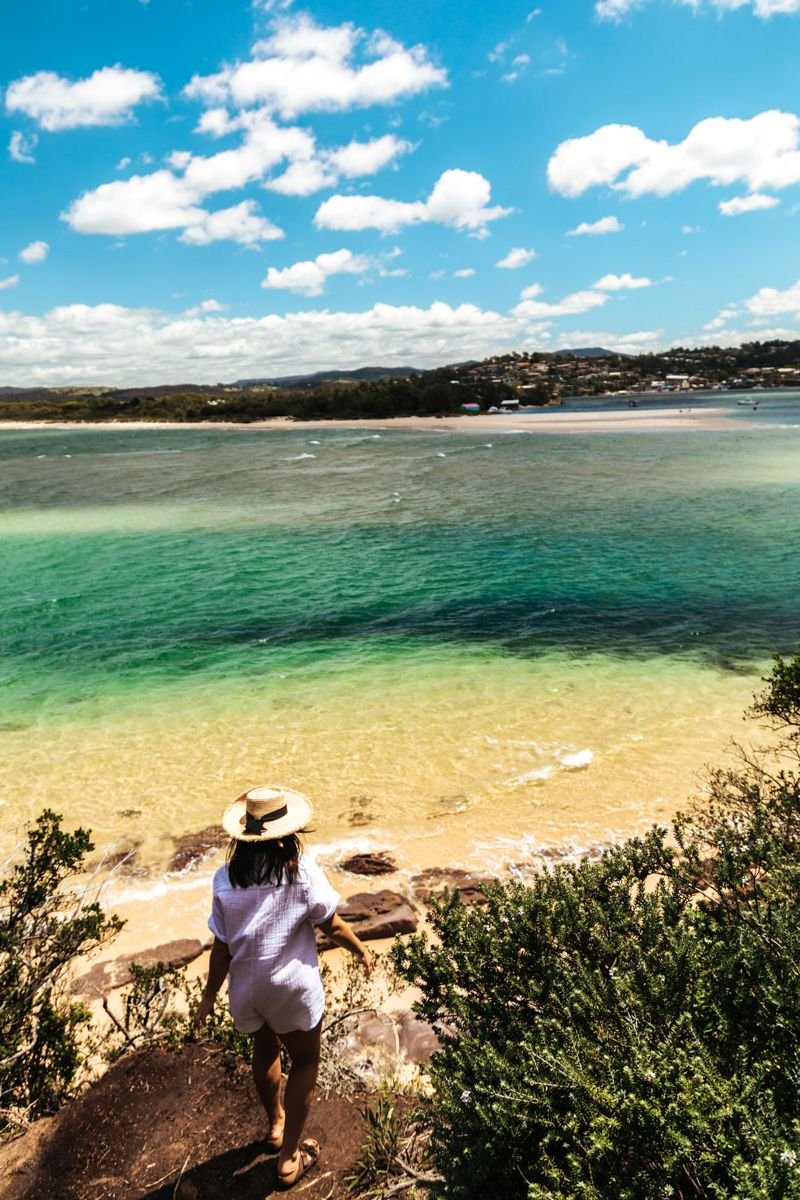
(546, 421)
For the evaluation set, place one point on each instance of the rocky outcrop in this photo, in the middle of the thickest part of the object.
(191, 849)
(375, 915)
(105, 977)
(432, 882)
(379, 863)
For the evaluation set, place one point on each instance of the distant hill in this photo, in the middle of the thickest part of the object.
(592, 352)
(307, 382)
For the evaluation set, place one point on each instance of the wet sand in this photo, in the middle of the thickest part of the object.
(546, 421)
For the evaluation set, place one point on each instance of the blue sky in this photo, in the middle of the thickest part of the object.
(194, 191)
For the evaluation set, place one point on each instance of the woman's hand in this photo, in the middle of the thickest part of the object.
(365, 958)
(204, 1010)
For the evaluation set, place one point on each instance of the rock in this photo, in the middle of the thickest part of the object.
(104, 977)
(369, 864)
(192, 848)
(402, 1035)
(432, 882)
(122, 859)
(417, 1039)
(375, 915)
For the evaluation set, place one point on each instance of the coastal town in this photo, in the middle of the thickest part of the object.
(536, 379)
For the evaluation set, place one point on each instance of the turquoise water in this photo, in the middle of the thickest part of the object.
(298, 589)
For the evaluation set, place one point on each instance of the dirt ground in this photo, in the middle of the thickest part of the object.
(164, 1124)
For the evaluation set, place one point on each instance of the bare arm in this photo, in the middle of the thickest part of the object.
(342, 935)
(218, 964)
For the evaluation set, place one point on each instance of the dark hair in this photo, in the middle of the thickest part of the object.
(271, 861)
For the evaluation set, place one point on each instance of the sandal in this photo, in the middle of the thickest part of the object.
(308, 1158)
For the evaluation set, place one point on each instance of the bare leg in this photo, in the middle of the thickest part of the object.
(267, 1078)
(303, 1049)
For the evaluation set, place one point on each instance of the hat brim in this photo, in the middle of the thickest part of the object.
(298, 815)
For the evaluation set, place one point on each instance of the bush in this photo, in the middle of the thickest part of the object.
(630, 1029)
(43, 927)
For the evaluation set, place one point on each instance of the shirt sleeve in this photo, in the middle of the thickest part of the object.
(322, 897)
(216, 922)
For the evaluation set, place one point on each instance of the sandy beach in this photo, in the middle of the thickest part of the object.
(546, 421)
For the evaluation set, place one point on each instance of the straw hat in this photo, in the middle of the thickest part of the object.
(266, 813)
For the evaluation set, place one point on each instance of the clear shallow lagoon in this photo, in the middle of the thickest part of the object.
(464, 651)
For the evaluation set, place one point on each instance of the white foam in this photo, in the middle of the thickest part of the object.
(577, 761)
(441, 454)
(539, 775)
(298, 457)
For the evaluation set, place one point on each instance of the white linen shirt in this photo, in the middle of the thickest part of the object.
(274, 969)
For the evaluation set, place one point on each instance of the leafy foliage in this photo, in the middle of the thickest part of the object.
(430, 393)
(630, 1028)
(43, 927)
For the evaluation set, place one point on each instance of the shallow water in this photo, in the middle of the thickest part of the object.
(463, 647)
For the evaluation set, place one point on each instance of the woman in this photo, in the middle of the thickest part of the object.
(266, 901)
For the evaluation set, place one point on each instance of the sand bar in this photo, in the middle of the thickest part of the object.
(547, 421)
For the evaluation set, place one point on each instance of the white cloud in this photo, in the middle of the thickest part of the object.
(365, 158)
(597, 228)
(722, 318)
(323, 168)
(107, 97)
(136, 205)
(34, 252)
(123, 163)
(769, 301)
(464, 273)
(309, 278)
(172, 199)
(690, 229)
(305, 67)
(242, 223)
(111, 344)
(574, 303)
(21, 148)
(617, 10)
(761, 152)
(204, 308)
(459, 199)
(745, 204)
(10, 281)
(517, 257)
(617, 283)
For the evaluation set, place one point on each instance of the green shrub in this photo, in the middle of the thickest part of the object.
(630, 1029)
(43, 928)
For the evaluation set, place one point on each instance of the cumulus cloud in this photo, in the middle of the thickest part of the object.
(596, 228)
(34, 252)
(172, 197)
(571, 305)
(516, 257)
(318, 169)
(107, 97)
(459, 199)
(21, 148)
(722, 318)
(309, 278)
(617, 10)
(760, 152)
(745, 204)
(464, 273)
(109, 343)
(618, 283)
(204, 308)
(305, 67)
(10, 281)
(767, 302)
(242, 223)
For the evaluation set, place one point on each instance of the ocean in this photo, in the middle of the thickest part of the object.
(468, 649)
